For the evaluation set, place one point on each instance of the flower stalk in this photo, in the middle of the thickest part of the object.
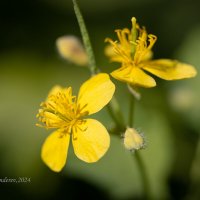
(131, 110)
(86, 39)
(137, 156)
(116, 114)
(144, 177)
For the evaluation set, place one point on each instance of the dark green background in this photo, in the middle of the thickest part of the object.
(167, 114)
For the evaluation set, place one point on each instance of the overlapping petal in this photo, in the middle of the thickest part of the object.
(95, 93)
(90, 141)
(54, 150)
(111, 53)
(134, 76)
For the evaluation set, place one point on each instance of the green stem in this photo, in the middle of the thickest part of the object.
(138, 158)
(115, 113)
(143, 173)
(131, 110)
(86, 39)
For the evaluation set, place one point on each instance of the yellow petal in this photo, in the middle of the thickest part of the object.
(111, 53)
(55, 90)
(170, 69)
(134, 76)
(90, 140)
(147, 56)
(95, 93)
(54, 150)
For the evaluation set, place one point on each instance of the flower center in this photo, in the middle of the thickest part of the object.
(61, 111)
(133, 47)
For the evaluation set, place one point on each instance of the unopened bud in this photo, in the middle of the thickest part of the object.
(70, 48)
(133, 140)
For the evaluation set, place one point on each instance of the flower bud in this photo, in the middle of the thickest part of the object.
(70, 48)
(133, 140)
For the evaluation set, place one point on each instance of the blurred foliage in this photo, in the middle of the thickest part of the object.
(168, 114)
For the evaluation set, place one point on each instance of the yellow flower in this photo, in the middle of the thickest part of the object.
(133, 51)
(67, 113)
